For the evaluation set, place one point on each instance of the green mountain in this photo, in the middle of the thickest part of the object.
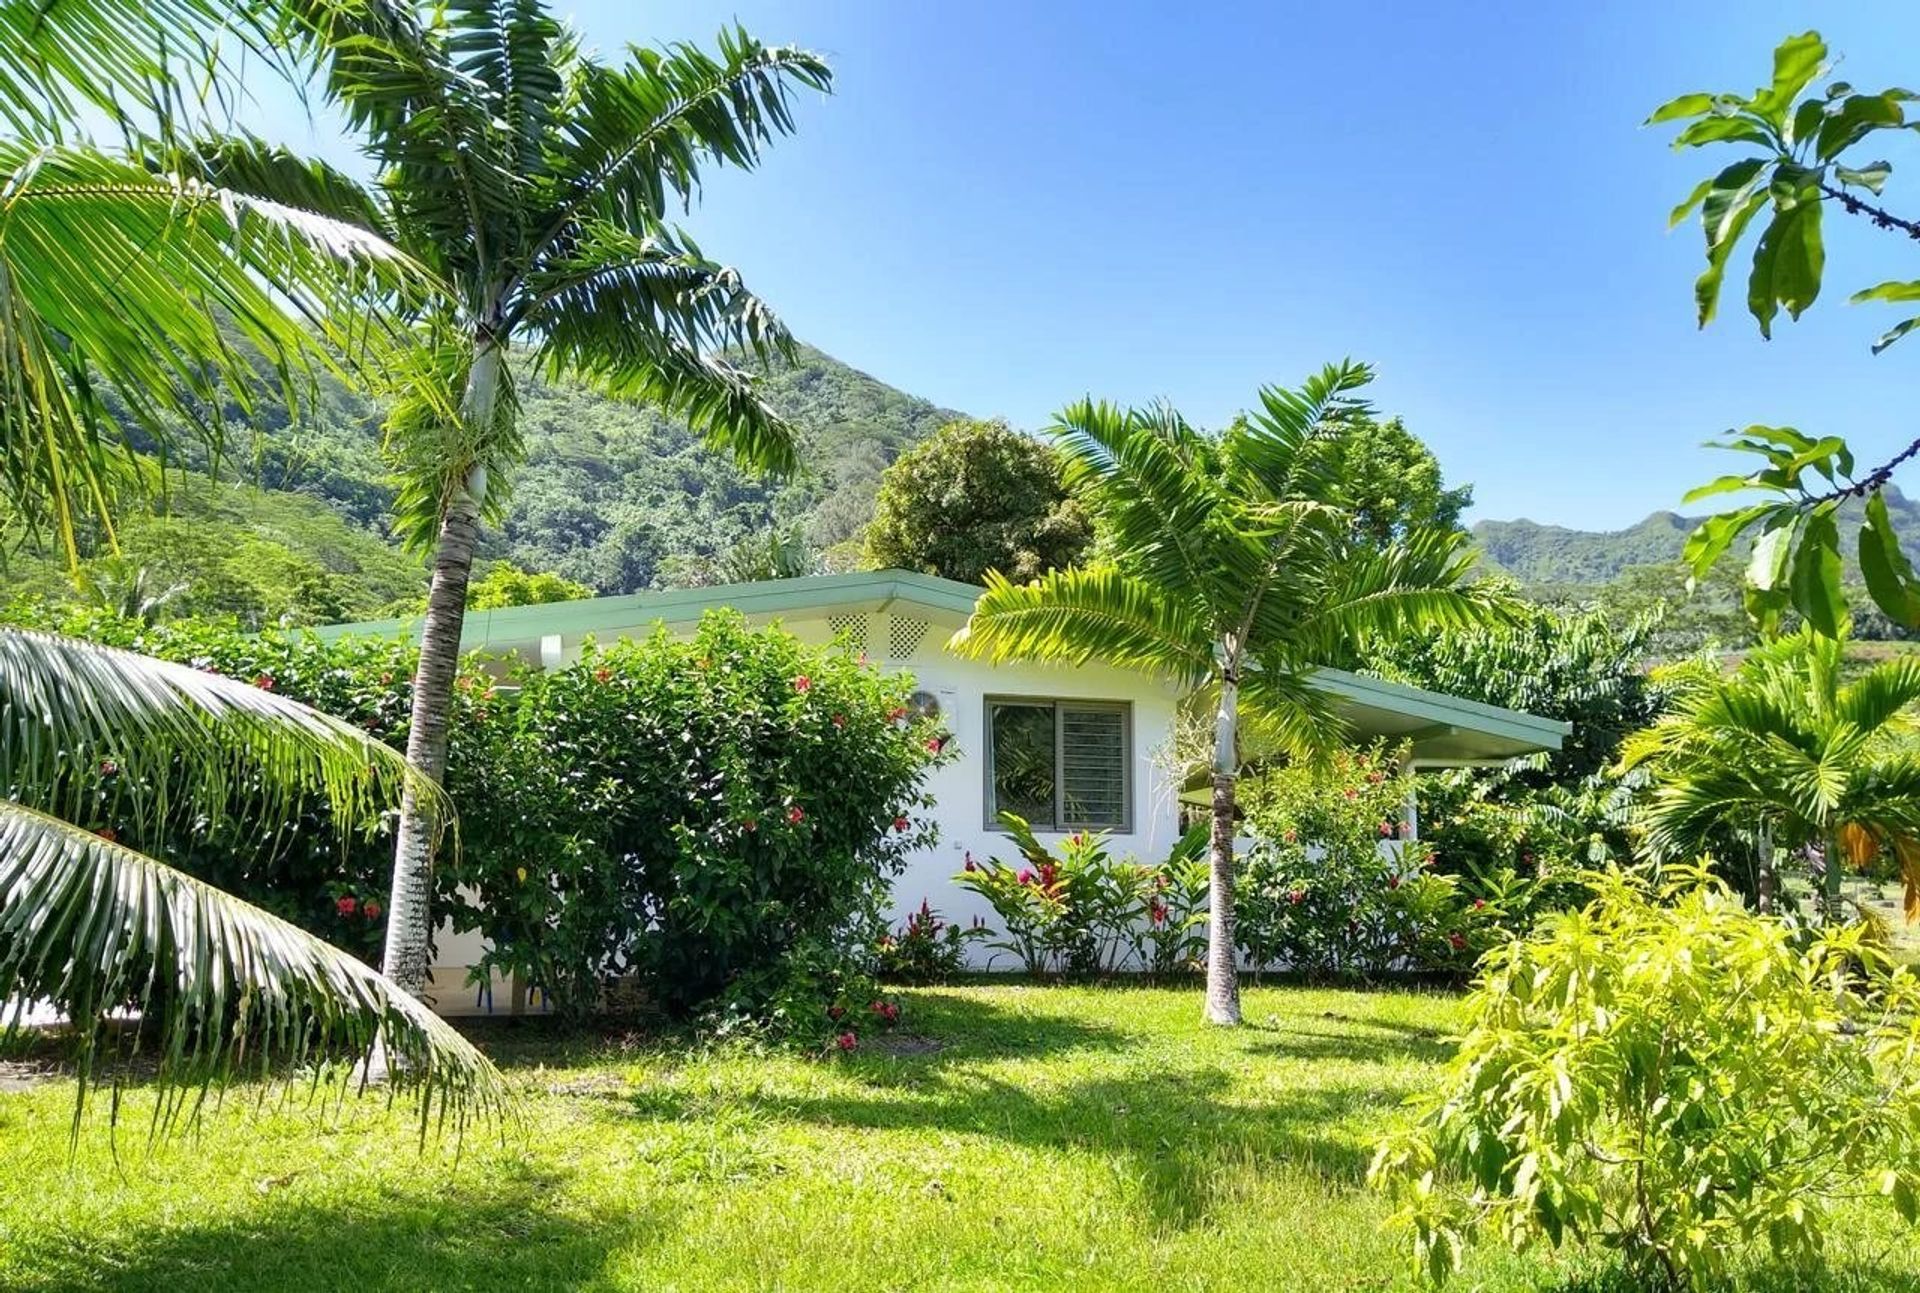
(613, 495)
(1553, 554)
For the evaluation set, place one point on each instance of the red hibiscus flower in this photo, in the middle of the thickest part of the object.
(1386, 829)
(108, 768)
(1478, 903)
(372, 910)
(897, 713)
(795, 816)
(846, 1041)
(935, 744)
(900, 824)
(836, 1012)
(1457, 942)
(264, 681)
(346, 904)
(1393, 882)
(1025, 876)
(803, 683)
(971, 864)
(1157, 913)
(750, 825)
(1297, 896)
(108, 834)
(603, 675)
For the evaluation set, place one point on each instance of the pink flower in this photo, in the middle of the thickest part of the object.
(1393, 882)
(835, 1012)
(1386, 829)
(1478, 903)
(346, 904)
(1157, 912)
(108, 768)
(371, 911)
(971, 864)
(935, 744)
(264, 681)
(900, 824)
(1025, 876)
(602, 675)
(795, 816)
(803, 683)
(897, 713)
(846, 1041)
(1456, 941)
(1297, 896)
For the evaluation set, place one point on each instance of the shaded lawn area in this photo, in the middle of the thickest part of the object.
(1042, 1138)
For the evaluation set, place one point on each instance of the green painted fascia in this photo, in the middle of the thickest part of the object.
(1438, 707)
(680, 605)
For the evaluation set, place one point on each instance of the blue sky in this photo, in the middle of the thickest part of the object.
(1004, 206)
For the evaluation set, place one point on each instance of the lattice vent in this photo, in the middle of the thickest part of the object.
(904, 637)
(851, 628)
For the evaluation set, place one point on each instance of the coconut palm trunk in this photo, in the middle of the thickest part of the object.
(1223, 971)
(406, 956)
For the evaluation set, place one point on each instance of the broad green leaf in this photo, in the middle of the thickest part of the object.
(1796, 62)
(1687, 105)
(1872, 176)
(1694, 199)
(1859, 116)
(1706, 288)
(1816, 574)
(1894, 334)
(1884, 566)
(1893, 290)
(1767, 565)
(1718, 486)
(1713, 536)
(1806, 120)
(1787, 265)
(1720, 130)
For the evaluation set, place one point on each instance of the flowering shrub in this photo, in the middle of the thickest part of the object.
(719, 816)
(1320, 894)
(927, 949)
(1669, 1074)
(1082, 910)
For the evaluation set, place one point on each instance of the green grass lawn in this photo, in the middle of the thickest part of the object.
(1019, 1138)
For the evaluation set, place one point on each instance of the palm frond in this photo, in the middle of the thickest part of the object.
(1282, 711)
(1078, 615)
(69, 706)
(116, 281)
(1419, 583)
(1275, 445)
(641, 131)
(94, 927)
(1884, 694)
(244, 163)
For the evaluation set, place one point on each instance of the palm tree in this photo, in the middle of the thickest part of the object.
(1236, 569)
(133, 296)
(91, 926)
(1785, 753)
(533, 181)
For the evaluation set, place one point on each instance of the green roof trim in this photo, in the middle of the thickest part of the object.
(1442, 709)
(1447, 725)
(514, 624)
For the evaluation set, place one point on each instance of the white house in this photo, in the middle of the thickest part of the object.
(1107, 730)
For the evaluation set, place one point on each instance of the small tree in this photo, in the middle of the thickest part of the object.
(1236, 569)
(505, 584)
(975, 497)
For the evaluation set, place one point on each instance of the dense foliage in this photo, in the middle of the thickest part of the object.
(1675, 1077)
(718, 817)
(1330, 889)
(977, 496)
(1393, 483)
(1082, 910)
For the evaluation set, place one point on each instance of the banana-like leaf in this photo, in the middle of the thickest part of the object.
(227, 989)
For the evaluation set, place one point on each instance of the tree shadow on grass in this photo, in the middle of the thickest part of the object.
(1842, 1275)
(1181, 1135)
(509, 1236)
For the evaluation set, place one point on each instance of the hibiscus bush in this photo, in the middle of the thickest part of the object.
(1331, 890)
(927, 949)
(1674, 1077)
(718, 817)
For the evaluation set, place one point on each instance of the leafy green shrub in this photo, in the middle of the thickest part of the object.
(719, 816)
(1321, 896)
(928, 949)
(1082, 910)
(1673, 1076)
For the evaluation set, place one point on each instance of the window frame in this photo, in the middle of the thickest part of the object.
(1056, 703)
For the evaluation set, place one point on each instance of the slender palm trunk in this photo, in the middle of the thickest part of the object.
(1223, 975)
(1765, 881)
(1830, 879)
(410, 906)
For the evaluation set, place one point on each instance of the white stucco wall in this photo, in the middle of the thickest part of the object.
(959, 787)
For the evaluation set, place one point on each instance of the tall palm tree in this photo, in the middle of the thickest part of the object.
(533, 181)
(1784, 752)
(135, 297)
(1236, 569)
